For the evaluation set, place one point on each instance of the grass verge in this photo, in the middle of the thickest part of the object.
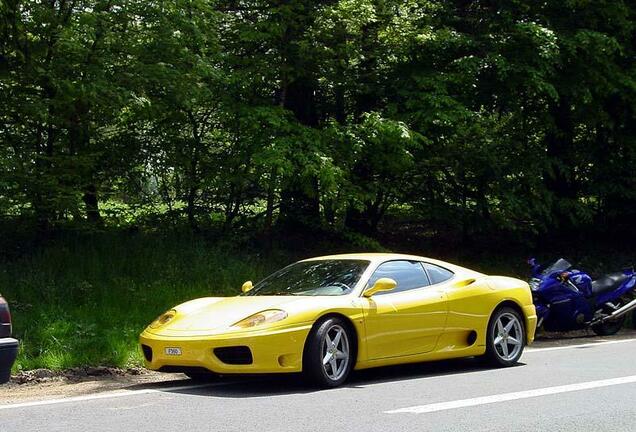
(84, 301)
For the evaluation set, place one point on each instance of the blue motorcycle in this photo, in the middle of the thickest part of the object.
(568, 299)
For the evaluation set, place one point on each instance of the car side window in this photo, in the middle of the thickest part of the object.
(408, 275)
(437, 274)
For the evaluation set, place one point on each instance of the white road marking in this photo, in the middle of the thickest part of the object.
(483, 400)
(133, 407)
(108, 395)
(584, 345)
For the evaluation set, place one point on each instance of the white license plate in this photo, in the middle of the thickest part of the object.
(173, 351)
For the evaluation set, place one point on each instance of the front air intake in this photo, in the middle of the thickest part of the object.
(147, 352)
(235, 355)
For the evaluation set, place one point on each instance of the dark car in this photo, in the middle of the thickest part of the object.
(8, 346)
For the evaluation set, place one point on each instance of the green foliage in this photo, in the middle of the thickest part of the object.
(480, 116)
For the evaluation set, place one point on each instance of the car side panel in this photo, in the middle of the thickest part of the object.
(404, 323)
(469, 309)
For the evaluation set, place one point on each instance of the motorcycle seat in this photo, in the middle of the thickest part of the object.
(608, 282)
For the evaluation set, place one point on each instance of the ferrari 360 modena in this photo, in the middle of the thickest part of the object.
(329, 315)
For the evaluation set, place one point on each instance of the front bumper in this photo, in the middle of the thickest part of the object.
(8, 354)
(273, 351)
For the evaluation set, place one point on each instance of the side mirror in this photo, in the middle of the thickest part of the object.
(382, 284)
(247, 286)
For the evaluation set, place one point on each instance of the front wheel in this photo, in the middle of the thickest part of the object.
(505, 337)
(330, 353)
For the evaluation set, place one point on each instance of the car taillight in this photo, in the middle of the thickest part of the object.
(5, 319)
(5, 315)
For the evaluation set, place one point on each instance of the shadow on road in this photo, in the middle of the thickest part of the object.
(257, 386)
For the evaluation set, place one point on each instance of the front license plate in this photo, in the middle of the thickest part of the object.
(173, 351)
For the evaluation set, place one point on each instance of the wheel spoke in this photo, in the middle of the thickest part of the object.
(334, 367)
(504, 348)
(508, 326)
(513, 341)
(500, 328)
(341, 355)
(336, 340)
(328, 340)
(327, 358)
(498, 340)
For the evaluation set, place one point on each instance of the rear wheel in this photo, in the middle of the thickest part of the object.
(329, 353)
(505, 338)
(608, 328)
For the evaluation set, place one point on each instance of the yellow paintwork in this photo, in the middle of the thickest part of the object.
(429, 323)
(382, 284)
(247, 286)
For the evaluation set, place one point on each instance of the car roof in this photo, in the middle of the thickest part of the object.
(371, 256)
(378, 257)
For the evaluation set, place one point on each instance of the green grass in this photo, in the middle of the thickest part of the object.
(84, 301)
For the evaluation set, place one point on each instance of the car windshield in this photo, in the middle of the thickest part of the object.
(560, 265)
(312, 278)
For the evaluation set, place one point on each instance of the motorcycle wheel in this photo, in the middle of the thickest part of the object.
(609, 328)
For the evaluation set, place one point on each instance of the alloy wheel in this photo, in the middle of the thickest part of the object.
(508, 336)
(335, 352)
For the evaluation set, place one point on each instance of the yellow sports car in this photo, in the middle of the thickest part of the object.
(326, 316)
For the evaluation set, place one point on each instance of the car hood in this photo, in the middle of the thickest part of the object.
(212, 315)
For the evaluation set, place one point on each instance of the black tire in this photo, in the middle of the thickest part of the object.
(494, 352)
(5, 375)
(325, 376)
(609, 328)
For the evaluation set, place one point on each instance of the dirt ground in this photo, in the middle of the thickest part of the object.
(42, 384)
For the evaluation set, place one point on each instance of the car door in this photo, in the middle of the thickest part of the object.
(407, 320)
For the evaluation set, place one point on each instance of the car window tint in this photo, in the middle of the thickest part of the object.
(437, 274)
(407, 274)
(314, 277)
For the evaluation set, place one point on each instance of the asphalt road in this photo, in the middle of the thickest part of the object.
(585, 386)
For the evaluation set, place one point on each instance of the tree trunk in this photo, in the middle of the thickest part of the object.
(190, 211)
(300, 201)
(192, 172)
(558, 179)
(92, 205)
(269, 212)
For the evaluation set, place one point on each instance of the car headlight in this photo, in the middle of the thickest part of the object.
(163, 319)
(265, 317)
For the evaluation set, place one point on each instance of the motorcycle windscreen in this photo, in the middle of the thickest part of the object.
(559, 266)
